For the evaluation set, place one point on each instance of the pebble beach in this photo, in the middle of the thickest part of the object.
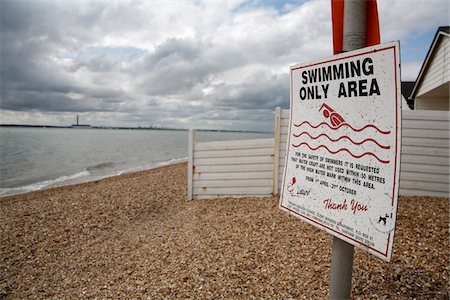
(135, 236)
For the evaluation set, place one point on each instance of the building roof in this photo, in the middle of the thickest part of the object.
(441, 31)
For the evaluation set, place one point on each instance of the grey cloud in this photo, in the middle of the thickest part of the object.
(106, 59)
(41, 101)
(262, 90)
(33, 35)
(55, 101)
(179, 65)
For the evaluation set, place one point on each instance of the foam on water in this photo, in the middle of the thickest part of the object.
(151, 166)
(43, 184)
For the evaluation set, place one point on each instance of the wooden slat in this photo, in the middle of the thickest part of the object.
(231, 183)
(233, 160)
(285, 123)
(237, 144)
(440, 178)
(234, 152)
(424, 185)
(234, 168)
(425, 151)
(412, 192)
(429, 133)
(233, 175)
(424, 169)
(234, 191)
(426, 115)
(285, 114)
(423, 159)
(423, 141)
(424, 124)
(284, 130)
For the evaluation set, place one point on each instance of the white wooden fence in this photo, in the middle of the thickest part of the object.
(424, 168)
(255, 167)
(230, 168)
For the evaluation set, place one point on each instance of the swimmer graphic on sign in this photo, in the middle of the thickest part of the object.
(334, 117)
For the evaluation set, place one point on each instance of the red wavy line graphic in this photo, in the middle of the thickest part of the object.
(343, 124)
(342, 149)
(340, 138)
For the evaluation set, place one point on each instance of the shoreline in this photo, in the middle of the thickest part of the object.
(82, 177)
(136, 236)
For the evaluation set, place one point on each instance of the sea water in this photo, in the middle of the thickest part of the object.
(36, 158)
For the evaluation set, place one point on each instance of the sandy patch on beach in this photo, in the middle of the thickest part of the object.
(135, 236)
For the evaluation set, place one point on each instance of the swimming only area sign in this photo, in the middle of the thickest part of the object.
(343, 151)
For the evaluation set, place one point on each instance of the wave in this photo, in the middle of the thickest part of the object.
(342, 149)
(43, 184)
(172, 161)
(340, 138)
(343, 124)
(152, 165)
(101, 166)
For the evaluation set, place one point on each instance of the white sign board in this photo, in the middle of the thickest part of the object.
(343, 150)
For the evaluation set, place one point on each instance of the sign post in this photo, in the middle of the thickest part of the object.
(354, 32)
(343, 152)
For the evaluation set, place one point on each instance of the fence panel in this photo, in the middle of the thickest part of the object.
(424, 168)
(230, 168)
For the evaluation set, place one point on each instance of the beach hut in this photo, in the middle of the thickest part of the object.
(431, 90)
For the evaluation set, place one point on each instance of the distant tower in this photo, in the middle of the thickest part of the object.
(77, 121)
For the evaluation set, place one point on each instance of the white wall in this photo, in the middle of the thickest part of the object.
(437, 72)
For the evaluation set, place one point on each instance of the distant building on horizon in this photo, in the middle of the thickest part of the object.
(78, 125)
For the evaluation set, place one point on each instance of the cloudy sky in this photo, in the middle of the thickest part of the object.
(185, 64)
